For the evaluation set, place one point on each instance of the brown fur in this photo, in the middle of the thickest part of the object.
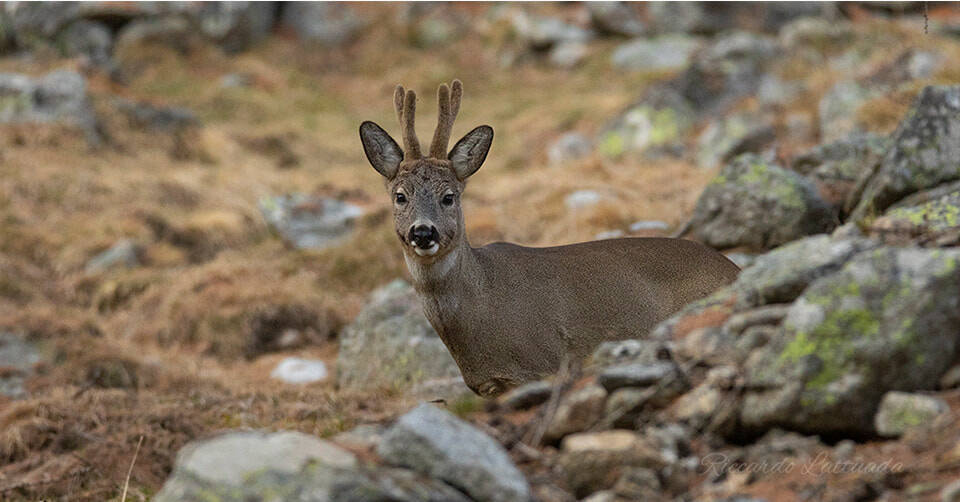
(508, 313)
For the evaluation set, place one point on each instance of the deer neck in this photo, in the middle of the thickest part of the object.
(449, 274)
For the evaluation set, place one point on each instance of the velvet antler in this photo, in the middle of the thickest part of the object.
(449, 103)
(406, 105)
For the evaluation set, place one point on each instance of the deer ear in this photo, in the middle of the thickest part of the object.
(382, 151)
(469, 153)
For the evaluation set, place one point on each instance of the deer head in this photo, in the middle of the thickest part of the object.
(426, 190)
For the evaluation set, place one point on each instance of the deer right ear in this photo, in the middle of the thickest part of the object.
(382, 151)
(469, 153)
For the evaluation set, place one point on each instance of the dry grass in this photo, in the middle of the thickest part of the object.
(174, 350)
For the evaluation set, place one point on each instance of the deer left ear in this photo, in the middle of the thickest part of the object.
(469, 153)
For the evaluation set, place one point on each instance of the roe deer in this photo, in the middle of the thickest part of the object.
(508, 313)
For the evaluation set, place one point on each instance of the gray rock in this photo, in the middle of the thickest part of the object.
(902, 411)
(774, 91)
(391, 344)
(627, 351)
(928, 212)
(593, 461)
(570, 146)
(660, 120)
(567, 54)
(666, 52)
(645, 225)
(59, 96)
(756, 204)
(310, 222)
(148, 117)
(241, 466)
(434, 442)
(838, 109)
(837, 168)
(541, 33)
(236, 26)
(581, 199)
(89, 39)
(361, 437)
(17, 358)
(816, 33)
(636, 375)
(173, 32)
(37, 23)
(733, 64)
(124, 253)
(742, 260)
(733, 135)
(300, 371)
(616, 18)
(527, 395)
(951, 492)
(577, 412)
(329, 24)
(781, 275)
(432, 24)
(923, 152)
(883, 322)
(951, 379)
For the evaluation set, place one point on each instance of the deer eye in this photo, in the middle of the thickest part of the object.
(447, 199)
(400, 198)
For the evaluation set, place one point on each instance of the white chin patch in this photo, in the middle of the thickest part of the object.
(430, 251)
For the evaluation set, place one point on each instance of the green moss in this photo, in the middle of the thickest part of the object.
(612, 144)
(831, 342)
(939, 214)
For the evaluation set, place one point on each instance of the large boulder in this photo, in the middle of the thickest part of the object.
(436, 443)
(240, 466)
(886, 321)
(923, 152)
(758, 204)
(391, 344)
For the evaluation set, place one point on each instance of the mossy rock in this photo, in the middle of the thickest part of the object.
(923, 153)
(757, 204)
(933, 211)
(886, 321)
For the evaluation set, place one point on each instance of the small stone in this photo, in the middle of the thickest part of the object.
(901, 411)
(17, 361)
(571, 146)
(361, 437)
(581, 199)
(733, 135)
(951, 492)
(124, 253)
(567, 54)
(644, 225)
(951, 379)
(310, 222)
(299, 371)
(578, 411)
(527, 395)
(742, 260)
(667, 52)
(635, 375)
(616, 18)
(436, 443)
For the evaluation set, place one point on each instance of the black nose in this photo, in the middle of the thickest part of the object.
(423, 236)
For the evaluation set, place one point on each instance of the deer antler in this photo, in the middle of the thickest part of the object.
(449, 102)
(406, 105)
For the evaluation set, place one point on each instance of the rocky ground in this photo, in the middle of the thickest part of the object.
(201, 297)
